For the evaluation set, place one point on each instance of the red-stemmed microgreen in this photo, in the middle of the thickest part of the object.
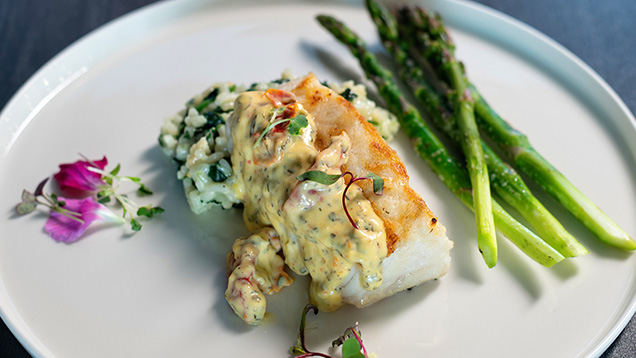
(300, 350)
(328, 179)
(351, 341)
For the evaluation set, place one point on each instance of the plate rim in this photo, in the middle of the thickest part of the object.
(14, 110)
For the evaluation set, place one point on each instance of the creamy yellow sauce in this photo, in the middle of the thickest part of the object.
(316, 236)
(256, 269)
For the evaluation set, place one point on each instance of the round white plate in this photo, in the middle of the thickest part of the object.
(159, 293)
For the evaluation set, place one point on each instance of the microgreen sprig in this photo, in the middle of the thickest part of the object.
(296, 123)
(112, 182)
(300, 350)
(30, 201)
(351, 340)
(328, 179)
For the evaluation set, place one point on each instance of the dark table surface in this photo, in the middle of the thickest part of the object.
(599, 32)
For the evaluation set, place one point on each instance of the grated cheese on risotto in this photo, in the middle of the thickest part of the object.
(197, 140)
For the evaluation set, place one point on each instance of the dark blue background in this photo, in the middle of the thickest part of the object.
(601, 33)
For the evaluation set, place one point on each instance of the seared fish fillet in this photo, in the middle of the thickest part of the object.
(418, 249)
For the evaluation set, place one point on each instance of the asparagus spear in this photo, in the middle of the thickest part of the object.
(520, 151)
(504, 179)
(469, 140)
(517, 147)
(433, 152)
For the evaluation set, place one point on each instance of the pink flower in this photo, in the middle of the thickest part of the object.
(89, 186)
(69, 221)
(77, 178)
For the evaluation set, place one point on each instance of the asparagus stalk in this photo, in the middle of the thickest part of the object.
(469, 140)
(516, 146)
(432, 151)
(504, 179)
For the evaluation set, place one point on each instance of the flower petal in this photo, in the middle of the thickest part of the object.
(64, 229)
(77, 176)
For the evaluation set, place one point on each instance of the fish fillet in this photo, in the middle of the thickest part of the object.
(418, 249)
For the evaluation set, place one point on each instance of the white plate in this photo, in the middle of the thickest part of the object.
(159, 292)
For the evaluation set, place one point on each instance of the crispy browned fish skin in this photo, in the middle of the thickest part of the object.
(408, 221)
(399, 206)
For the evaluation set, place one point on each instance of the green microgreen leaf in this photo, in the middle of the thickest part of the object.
(56, 201)
(144, 211)
(104, 193)
(149, 211)
(103, 199)
(29, 201)
(115, 171)
(143, 190)
(351, 349)
(378, 183)
(297, 123)
(28, 196)
(267, 129)
(351, 341)
(319, 177)
(135, 225)
(25, 207)
(103, 196)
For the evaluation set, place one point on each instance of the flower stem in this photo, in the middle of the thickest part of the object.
(55, 206)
